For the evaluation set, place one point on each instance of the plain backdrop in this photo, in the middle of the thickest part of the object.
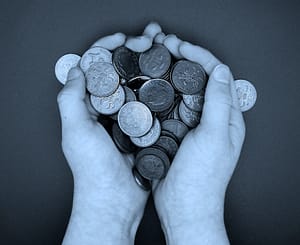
(258, 40)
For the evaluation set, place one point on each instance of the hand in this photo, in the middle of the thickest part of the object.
(107, 204)
(190, 200)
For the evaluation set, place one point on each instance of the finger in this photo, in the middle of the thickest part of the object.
(152, 29)
(111, 42)
(218, 101)
(155, 184)
(200, 55)
(159, 38)
(139, 43)
(94, 114)
(71, 100)
(172, 42)
(237, 127)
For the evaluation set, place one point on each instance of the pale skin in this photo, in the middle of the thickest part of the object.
(107, 204)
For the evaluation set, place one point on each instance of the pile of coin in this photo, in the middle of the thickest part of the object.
(147, 101)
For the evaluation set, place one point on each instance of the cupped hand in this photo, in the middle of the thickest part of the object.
(190, 200)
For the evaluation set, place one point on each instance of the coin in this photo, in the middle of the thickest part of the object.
(189, 117)
(136, 82)
(126, 63)
(188, 77)
(174, 114)
(157, 94)
(135, 119)
(246, 93)
(101, 79)
(168, 144)
(64, 65)
(121, 140)
(155, 62)
(194, 101)
(152, 163)
(95, 55)
(129, 94)
(109, 105)
(150, 138)
(177, 127)
(166, 113)
(142, 182)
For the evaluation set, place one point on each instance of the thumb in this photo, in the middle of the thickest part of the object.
(71, 99)
(218, 100)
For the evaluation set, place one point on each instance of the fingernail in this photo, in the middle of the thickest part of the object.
(74, 73)
(221, 73)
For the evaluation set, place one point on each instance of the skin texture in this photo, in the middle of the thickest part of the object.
(107, 203)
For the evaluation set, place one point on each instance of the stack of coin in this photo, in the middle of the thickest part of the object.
(147, 101)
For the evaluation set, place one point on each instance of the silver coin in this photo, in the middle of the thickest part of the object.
(111, 104)
(168, 144)
(101, 79)
(246, 93)
(136, 82)
(150, 138)
(142, 182)
(188, 77)
(121, 140)
(95, 55)
(194, 101)
(157, 94)
(135, 119)
(64, 65)
(129, 94)
(189, 117)
(156, 61)
(175, 113)
(177, 127)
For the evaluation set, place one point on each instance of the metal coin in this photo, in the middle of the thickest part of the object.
(137, 82)
(121, 140)
(135, 119)
(155, 62)
(193, 101)
(150, 138)
(169, 144)
(174, 113)
(188, 77)
(142, 182)
(164, 115)
(129, 94)
(64, 65)
(189, 117)
(101, 79)
(152, 163)
(110, 104)
(95, 55)
(157, 94)
(126, 63)
(246, 93)
(169, 134)
(178, 128)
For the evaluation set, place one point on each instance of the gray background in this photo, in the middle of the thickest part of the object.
(259, 40)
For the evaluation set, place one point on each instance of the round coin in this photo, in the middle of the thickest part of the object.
(64, 65)
(129, 94)
(135, 119)
(246, 93)
(193, 101)
(126, 63)
(155, 62)
(152, 163)
(168, 144)
(142, 182)
(101, 79)
(109, 105)
(95, 55)
(189, 117)
(178, 128)
(188, 77)
(150, 138)
(157, 94)
(137, 82)
(121, 140)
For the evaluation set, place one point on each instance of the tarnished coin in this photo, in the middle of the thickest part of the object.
(64, 65)
(135, 119)
(174, 114)
(152, 163)
(129, 94)
(193, 101)
(95, 55)
(168, 144)
(178, 128)
(136, 82)
(189, 117)
(142, 182)
(150, 138)
(157, 94)
(109, 105)
(156, 61)
(164, 115)
(188, 77)
(121, 140)
(247, 94)
(101, 79)
(126, 63)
